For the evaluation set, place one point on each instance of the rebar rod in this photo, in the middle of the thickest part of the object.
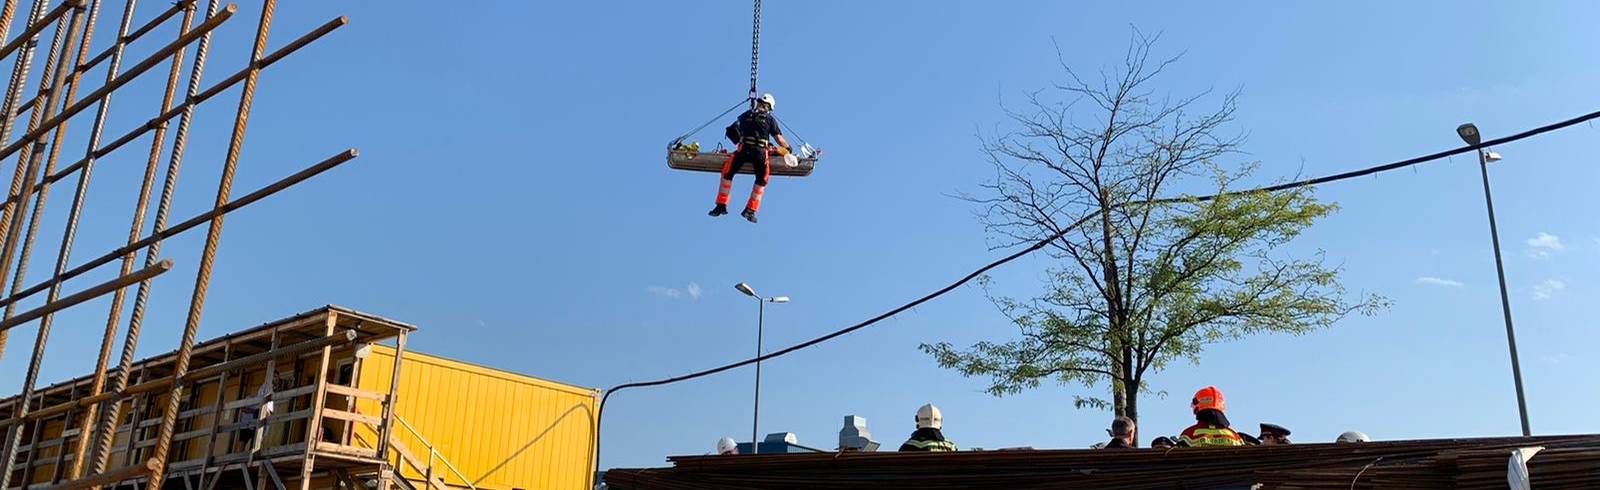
(208, 254)
(39, 26)
(8, 116)
(72, 83)
(123, 79)
(130, 38)
(86, 421)
(60, 47)
(203, 217)
(195, 100)
(107, 433)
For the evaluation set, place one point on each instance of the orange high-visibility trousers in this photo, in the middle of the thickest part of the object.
(741, 156)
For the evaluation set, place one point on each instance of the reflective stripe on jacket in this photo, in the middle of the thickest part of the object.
(933, 446)
(1207, 435)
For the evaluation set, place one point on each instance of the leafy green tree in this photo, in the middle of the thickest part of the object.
(1138, 285)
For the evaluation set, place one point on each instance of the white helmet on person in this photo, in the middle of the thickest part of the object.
(726, 446)
(769, 101)
(928, 417)
(1352, 436)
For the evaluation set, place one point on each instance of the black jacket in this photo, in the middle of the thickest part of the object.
(754, 125)
(928, 439)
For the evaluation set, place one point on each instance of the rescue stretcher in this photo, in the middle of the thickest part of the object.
(699, 161)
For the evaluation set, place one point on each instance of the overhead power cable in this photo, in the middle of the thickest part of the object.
(1053, 237)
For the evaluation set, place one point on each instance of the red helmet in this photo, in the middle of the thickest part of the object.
(1208, 398)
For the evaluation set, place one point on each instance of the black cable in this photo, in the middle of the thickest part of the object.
(600, 416)
(691, 132)
(1390, 166)
(786, 127)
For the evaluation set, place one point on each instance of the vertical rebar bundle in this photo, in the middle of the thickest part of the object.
(32, 148)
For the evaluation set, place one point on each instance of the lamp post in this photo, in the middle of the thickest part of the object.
(761, 317)
(1469, 133)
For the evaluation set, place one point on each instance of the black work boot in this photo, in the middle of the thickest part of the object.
(720, 210)
(749, 215)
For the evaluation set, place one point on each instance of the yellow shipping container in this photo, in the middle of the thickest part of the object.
(499, 430)
(328, 379)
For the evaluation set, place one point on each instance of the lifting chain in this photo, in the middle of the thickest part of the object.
(755, 52)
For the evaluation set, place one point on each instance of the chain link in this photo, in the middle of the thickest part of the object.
(755, 52)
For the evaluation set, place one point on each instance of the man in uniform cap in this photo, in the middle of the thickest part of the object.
(1274, 435)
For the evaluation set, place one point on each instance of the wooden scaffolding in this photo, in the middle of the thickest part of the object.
(313, 436)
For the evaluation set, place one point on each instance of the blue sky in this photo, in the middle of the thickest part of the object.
(511, 199)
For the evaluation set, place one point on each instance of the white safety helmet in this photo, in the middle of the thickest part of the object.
(928, 417)
(1352, 436)
(727, 446)
(769, 101)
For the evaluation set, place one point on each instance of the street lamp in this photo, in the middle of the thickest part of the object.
(1469, 133)
(761, 317)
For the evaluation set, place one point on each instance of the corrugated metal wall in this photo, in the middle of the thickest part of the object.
(504, 431)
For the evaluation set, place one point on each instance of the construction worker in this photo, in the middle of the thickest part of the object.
(1121, 432)
(751, 134)
(726, 446)
(928, 436)
(1274, 435)
(1211, 428)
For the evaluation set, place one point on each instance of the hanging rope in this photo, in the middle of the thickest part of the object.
(786, 127)
(755, 52)
(691, 132)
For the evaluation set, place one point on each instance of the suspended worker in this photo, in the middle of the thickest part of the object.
(1211, 428)
(751, 135)
(929, 436)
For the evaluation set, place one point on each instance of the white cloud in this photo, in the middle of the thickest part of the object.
(1548, 289)
(1555, 359)
(692, 291)
(1438, 281)
(1544, 244)
(665, 291)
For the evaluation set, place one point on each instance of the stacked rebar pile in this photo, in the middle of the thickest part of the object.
(1449, 463)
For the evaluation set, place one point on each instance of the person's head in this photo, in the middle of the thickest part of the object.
(1122, 428)
(1208, 398)
(1162, 442)
(766, 103)
(928, 417)
(1274, 435)
(1351, 437)
(726, 446)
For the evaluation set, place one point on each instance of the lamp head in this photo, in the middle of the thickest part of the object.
(1469, 133)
